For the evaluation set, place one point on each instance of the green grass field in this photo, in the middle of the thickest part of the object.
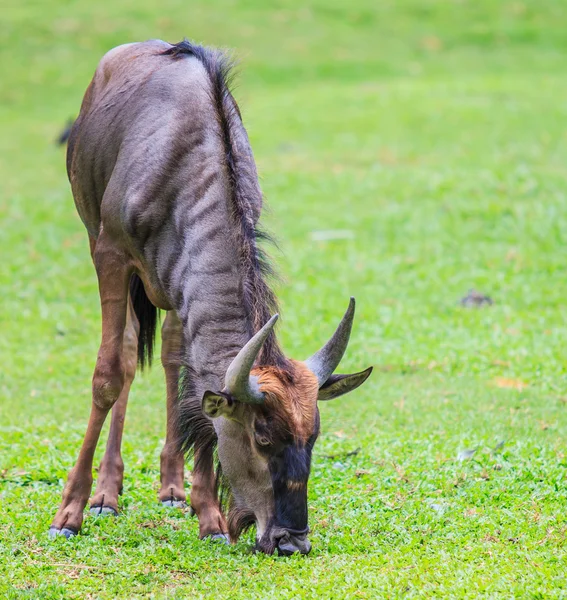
(432, 134)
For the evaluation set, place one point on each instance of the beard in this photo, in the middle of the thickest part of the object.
(239, 521)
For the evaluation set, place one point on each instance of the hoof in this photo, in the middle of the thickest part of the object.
(219, 538)
(174, 503)
(66, 532)
(102, 511)
(192, 512)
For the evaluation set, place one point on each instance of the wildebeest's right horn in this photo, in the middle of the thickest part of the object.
(238, 382)
(324, 362)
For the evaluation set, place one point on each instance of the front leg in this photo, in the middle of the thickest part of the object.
(204, 497)
(111, 470)
(113, 270)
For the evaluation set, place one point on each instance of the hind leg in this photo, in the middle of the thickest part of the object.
(111, 470)
(113, 271)
(171, 492)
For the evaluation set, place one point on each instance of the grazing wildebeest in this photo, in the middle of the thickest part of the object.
(165, 182)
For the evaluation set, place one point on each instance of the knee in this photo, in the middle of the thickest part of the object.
(105, 394)
(108, 381)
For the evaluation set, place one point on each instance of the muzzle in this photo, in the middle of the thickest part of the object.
(288, 541)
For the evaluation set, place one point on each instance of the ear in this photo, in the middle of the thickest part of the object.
(337, 385)
(217, 404)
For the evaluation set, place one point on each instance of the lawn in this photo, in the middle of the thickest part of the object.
(409, 151)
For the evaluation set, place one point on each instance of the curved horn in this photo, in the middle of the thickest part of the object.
(238, 382)
(324, 362)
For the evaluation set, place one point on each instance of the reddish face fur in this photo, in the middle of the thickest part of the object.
(291, 398)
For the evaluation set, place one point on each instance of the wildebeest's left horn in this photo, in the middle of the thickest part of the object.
(324, 362)
(238, 382)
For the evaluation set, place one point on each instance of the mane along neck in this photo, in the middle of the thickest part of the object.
(259, 302)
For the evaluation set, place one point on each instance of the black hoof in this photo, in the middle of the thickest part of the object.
(219, 538)
(66, 532)
(102, 511)
(174, 503)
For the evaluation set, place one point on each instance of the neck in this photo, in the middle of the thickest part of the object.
(219, 296)
(214, 318)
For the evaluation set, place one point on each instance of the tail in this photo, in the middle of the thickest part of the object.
(147, 315)
(63, 137)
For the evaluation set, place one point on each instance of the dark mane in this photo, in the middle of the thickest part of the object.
(198, 435)
(259, 300)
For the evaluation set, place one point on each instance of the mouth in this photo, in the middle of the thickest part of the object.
(285, 541)
(293, 544)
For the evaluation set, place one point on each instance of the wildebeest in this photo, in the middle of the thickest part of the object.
(165, 183)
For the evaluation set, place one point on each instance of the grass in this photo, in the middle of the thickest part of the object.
(432, 133)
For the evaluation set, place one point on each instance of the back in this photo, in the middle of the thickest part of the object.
(160, 160)
(145, 118)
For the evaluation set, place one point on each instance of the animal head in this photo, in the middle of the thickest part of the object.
(267, 422)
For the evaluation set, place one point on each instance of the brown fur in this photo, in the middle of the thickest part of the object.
(291, 396)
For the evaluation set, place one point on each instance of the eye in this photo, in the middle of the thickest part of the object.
(262, 440)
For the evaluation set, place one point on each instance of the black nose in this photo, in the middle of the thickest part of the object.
(290, 544)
